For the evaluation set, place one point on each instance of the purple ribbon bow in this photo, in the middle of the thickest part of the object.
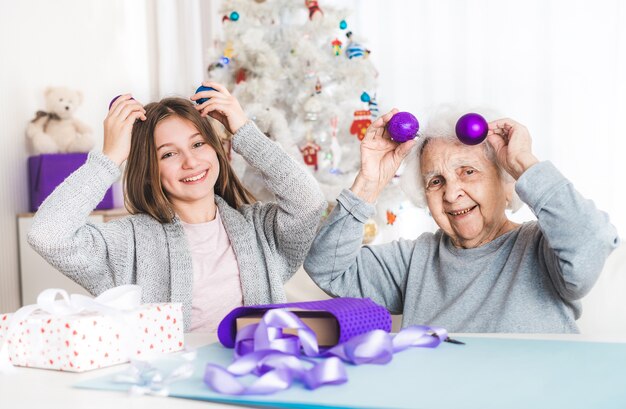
(279, 359)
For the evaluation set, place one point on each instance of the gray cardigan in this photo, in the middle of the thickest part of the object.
(270, 240)
(527, 280)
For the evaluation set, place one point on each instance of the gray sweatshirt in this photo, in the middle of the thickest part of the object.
(527, 280)
(270, 240)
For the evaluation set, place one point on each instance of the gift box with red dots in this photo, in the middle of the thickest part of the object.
(91, 340)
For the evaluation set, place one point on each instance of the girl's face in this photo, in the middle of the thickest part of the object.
(188, 166)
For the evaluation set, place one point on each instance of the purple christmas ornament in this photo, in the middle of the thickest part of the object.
(471, 129)
(114, 99)
(203, 88)
(403, 127)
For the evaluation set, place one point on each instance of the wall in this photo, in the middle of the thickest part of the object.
(557, 66)
(98, 47)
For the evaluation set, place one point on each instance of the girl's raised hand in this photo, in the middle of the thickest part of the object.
(118, 126)
(221, 105)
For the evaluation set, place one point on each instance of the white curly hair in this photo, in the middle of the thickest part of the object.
(441, 124)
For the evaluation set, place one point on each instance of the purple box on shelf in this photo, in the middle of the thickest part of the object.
(46, 172)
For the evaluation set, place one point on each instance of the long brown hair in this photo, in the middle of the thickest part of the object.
(144, 192)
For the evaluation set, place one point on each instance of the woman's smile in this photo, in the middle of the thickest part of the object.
(462, 212)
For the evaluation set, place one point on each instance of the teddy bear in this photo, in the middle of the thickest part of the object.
(56, 130)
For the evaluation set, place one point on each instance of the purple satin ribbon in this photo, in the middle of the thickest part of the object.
(278, 359)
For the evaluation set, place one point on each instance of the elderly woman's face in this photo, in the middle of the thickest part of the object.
(464, 192)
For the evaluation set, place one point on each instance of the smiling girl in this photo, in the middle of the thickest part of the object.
(195, 235)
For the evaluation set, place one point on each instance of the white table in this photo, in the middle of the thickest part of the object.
(32, 388)
(28, 388)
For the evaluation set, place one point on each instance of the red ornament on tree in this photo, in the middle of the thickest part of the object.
(309, 153)
(362, 120)
(240, 76)
(314, 9)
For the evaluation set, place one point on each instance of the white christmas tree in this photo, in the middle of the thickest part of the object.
(307, 81)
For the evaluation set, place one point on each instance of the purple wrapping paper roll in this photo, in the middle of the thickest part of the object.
(355, 316)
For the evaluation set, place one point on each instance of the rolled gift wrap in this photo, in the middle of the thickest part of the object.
(354, 316)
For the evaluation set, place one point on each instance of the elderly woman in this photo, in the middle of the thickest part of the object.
(480, 272)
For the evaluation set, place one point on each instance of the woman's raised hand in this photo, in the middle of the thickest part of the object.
(513, 145)
(380, 159)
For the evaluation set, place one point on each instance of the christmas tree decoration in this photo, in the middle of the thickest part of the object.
(115, 99)
(277, 61)
(228, 51)
(370, 230)
(215, 66)
(471, 129)
(203, 88)
(391, 217)
(240, 76)
(402, 127)
(336, 157)
(226, 55)
(335, 147)
(334, 122)
(355, 50)
(365, 97)
(336, 46)
(314, 9)
(343, 25)
(310, 72)
(362, 120)
(373, 105)
(312, 108)
(309, 154)
(327, 160)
